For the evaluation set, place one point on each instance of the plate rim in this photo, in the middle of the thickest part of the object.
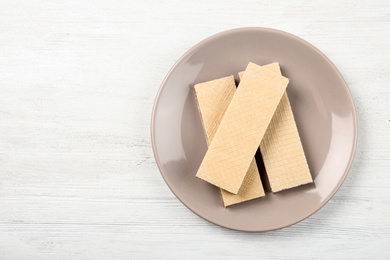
(259, 30)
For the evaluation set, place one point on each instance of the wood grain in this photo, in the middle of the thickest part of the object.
(78, 178)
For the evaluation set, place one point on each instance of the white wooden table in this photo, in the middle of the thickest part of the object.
(78, 178)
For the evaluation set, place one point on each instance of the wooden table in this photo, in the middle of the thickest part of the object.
(78, 178)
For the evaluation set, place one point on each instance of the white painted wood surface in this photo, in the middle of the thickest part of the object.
(78, 178)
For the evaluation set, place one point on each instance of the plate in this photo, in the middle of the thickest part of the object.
(323, 110)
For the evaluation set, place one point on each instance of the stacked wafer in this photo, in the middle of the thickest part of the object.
(237, 121)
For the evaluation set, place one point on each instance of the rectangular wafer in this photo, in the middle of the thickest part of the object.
(282, 151)
(213, 98)
(242, 128)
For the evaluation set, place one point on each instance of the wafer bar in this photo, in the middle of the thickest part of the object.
(213, 98)
(282, 151)
(242, 128)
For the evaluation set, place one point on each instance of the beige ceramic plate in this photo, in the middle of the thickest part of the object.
(321, 103)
